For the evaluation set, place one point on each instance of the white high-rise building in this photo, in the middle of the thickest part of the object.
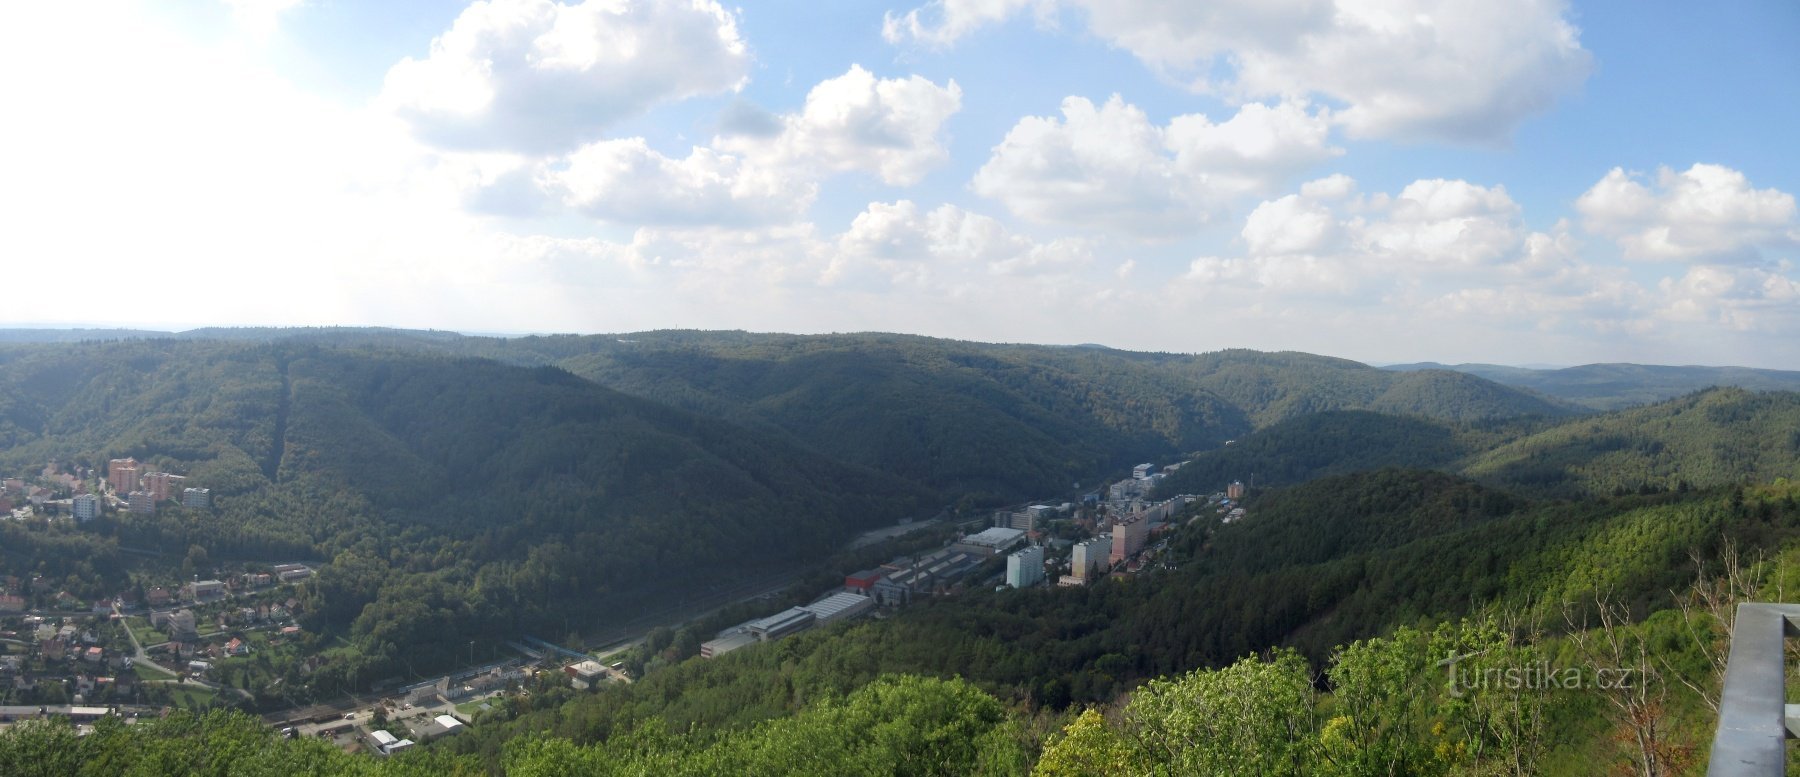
(1025, 568)
(86, 507)
(196, 498)
(1092, 557)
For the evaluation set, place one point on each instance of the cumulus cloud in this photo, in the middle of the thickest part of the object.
(540, 77)
(1734, 297)
(762, 169)
(886, 126)
(906, 241)
(625, 181)
(1704, 213)
(1109, 167)
(942, 22)
(1409, 69)
(1327, 240)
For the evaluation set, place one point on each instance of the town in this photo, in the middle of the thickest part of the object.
(173, 639)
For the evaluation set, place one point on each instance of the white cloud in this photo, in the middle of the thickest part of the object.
(941, 22)
(1705, 213)
(906, 242)
(1410, 69)
(1447, 224)
(626, 182)
(1110, 168)
(854, 122)
(1434, 235)
(539, 76)
(857, 122)
(260, 17)
(1735, 298)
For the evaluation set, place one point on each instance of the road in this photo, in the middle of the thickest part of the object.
(139, 656)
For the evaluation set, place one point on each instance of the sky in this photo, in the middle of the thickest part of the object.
(1529, 182)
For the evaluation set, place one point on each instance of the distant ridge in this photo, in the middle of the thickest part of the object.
(1620, 385)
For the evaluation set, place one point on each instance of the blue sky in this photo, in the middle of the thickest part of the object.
(1385, 180)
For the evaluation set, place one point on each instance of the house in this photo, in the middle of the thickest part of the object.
(158, 596)
(179, 625)
(12, 603)
(236, 647)
(93, 655)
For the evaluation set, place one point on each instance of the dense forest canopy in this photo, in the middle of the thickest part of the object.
(455, 488)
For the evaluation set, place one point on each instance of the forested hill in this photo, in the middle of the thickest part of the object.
(1713, 437)
(971, 421)
(1717, 437)
(1320, 444)
(1618, 386)
(451, 496)
(974, 410)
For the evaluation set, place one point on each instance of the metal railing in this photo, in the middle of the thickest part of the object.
(1755, 720)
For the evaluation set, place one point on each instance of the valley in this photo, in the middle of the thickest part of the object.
(304, 524)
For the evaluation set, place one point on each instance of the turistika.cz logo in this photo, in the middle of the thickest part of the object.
(1533, 676)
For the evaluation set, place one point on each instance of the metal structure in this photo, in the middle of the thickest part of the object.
(1755, 720)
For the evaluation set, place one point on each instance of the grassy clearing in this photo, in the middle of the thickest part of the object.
(150, 672)
(190, 697)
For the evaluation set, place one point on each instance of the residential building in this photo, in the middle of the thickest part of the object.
(12, 603)
(196, 498)
(290, 573)
(1235, 490)
(1141, 471)
(205, 590)
(122, 475)
(142, 503)
(85, 507)
(1128, 537)
(1025, 568)
(161, 484)
(1092, 558)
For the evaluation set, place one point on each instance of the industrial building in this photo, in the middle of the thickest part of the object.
(923, 575)
(780, 624)
(991, 542)
(585, 674)
(726, 642)
(863, 581)
(1025, 568)
(838, 607)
